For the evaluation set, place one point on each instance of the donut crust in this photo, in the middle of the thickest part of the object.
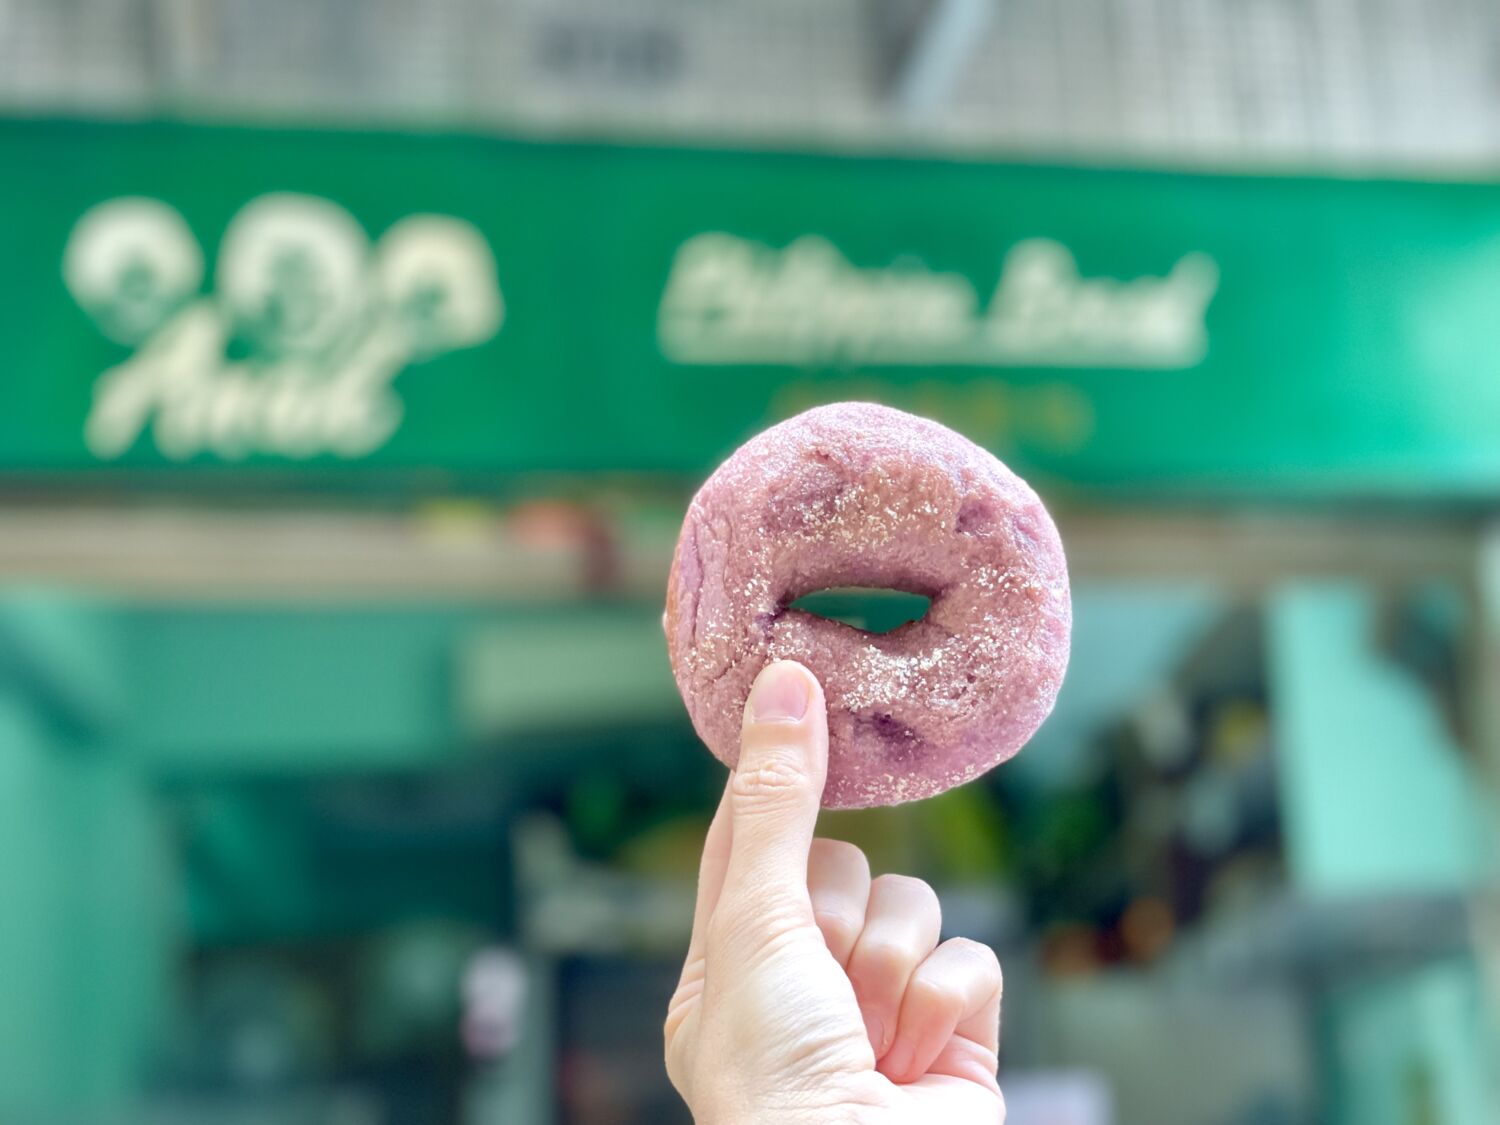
(861, 495)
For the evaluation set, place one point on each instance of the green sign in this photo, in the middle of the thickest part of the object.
(276, 307)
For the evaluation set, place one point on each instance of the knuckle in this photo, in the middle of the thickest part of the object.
(940, 995)
(907, 887)
(880, 958)
(978, 957)
(913, 898)
(840, 853)
(770, 777)
(839, 930)
(976, 965)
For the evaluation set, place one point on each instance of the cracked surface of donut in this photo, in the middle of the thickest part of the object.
(860, 495)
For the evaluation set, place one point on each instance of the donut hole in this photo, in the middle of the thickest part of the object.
(870, 609)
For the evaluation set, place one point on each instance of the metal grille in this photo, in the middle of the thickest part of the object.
(1303, 82)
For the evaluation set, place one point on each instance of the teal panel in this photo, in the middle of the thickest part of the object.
(297, 689)
(88, 928)
(1414, 1048)
(1377, 796)
(34, 1027)
(606, 668)
(65, 650)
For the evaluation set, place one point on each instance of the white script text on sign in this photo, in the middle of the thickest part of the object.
(295, 351)
(729, 300)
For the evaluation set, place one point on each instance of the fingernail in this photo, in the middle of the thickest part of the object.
(780, 694)
(876, 1031)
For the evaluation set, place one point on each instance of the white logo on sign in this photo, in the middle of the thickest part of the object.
(296, 350)
(730, 300)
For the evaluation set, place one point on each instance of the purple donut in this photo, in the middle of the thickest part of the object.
(860, 495)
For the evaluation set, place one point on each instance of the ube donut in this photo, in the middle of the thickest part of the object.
(861, 495)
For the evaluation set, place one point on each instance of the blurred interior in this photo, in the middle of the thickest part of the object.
(361, 361)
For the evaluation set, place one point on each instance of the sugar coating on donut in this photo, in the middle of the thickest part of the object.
(856, 494)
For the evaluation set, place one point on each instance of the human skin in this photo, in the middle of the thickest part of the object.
(810, 993)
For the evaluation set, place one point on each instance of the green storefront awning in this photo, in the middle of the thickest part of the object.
(277, 307)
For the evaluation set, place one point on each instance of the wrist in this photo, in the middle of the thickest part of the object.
(842, 1114)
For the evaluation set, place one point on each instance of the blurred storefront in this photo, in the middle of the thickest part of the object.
(342, 778)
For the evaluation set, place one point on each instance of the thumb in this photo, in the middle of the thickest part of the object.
(775, 793)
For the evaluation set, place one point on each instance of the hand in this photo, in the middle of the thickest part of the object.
(811, 994)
